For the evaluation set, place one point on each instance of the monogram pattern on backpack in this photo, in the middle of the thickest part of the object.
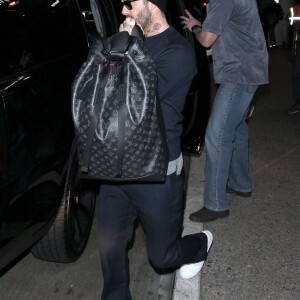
(118, 122)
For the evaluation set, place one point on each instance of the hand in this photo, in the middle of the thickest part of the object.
(25, 59)
(127, 25)
(189, 21)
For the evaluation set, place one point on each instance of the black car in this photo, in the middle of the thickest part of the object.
(43, 204)
(43, 44)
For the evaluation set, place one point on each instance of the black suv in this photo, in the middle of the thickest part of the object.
(43, 44)
(43, 205)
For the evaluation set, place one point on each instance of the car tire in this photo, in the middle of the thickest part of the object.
(67, 237)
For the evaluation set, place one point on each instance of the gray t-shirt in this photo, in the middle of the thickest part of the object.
(240, 54)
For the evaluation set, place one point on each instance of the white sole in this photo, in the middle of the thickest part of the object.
(190, 270)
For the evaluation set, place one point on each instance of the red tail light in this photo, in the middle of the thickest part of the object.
(203, 4)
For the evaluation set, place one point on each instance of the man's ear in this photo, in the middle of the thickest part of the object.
(152, 6)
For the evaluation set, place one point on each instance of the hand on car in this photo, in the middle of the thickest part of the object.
(189, 21)
(25, 59)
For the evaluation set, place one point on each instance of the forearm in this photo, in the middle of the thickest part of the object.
(206, 39)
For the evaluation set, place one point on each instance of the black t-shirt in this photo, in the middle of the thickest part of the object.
(176, 66)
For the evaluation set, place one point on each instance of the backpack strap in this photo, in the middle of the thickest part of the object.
(115, 47)
(117, 44)
(94, 120)
(137, 32)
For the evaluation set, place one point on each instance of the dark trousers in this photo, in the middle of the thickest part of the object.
(272, 39)
(159, 208)
(296, 78)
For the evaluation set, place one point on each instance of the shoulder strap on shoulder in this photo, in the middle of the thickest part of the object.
(137, 32)
(117, 43)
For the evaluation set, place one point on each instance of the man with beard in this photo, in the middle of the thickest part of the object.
(158, 206)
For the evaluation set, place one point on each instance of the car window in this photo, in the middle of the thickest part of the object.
(107, 21)
(13, 46)
(197, 8)
(118, 9)
(174, 11)
(1, 147)
(111, 17)
(3, 152)
(36, 32)
(89, 20)
(1, 157)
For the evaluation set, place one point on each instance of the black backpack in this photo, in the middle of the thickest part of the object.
(119, 128)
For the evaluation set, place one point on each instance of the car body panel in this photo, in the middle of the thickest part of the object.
(36, 129)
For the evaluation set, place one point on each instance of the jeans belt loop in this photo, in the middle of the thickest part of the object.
(175, 165)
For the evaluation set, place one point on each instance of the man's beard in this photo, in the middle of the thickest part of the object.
(144, 17)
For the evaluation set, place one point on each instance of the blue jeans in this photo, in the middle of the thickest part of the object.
(226, 142)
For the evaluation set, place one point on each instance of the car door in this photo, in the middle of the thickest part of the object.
(99, 17)
(43, 45)
(196, 110)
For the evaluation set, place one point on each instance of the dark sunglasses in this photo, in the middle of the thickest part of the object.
(127, 4)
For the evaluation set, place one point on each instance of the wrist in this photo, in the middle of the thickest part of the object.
(195, 28)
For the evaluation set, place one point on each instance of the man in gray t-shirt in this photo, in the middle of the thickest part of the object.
(233, 30)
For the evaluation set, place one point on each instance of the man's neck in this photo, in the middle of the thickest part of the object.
(156, 27)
